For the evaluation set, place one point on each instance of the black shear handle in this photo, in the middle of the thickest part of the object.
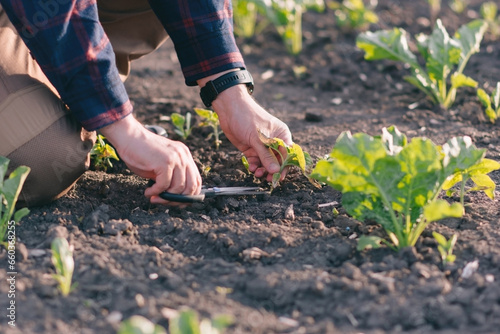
(182, 198)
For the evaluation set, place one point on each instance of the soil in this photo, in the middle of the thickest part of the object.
(247, 256)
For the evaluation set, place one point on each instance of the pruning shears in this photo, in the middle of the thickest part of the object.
(212, 192)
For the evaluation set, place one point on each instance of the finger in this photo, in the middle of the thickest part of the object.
(178, 183)
(162, 182)
(159, 200)
(260, 172)
(253, 163)
(267, 157)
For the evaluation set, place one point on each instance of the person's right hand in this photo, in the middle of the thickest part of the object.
(169, 163)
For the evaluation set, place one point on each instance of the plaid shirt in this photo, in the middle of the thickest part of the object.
(69, 44)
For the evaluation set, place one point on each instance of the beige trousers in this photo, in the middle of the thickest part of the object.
(36, 129)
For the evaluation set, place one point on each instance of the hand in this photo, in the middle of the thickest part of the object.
(241, 118)
(169, 163)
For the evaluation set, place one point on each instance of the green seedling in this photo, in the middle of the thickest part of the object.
(445, 247)
(187, 322)
(182, 124)
(458, 6)
(245, 163)
(489, 12)
(288, 156)
(210, 119)
(394, 182)
(139, 325)
(10, 189)
(477, 172)
(102, 153)
(443, 56)
(62, 259)
(491, 104)
(353, 14)
(245, 18)
(286, 16)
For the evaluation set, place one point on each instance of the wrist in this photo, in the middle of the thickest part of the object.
(121, 131)
(212, 88)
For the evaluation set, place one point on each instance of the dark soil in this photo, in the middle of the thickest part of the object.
(309, 277)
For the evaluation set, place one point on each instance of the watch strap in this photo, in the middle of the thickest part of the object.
(213, 88)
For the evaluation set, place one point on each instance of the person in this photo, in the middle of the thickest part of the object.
(62, 67)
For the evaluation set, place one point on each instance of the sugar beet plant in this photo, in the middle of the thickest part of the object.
(443, 56)
(395, 182)
(10, 189)
(284, 15)
(288, 156)
(182, 124)
(102, 153)
(491, 104)
(354, 14)
(210, 119)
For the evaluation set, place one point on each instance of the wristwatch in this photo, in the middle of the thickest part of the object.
(213, 88)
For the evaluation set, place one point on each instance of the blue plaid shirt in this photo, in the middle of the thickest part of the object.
(70, 45)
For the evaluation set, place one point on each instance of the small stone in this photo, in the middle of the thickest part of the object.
(306, 220)
(317, 224)
(232, 202)
(289, 213)
(117, 226)
(313, 117)
(336, 101)
(99, 216)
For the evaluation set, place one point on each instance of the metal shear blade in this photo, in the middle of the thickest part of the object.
(212, 192)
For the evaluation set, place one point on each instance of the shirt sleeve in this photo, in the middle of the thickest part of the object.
(69, 44)
(202, 32)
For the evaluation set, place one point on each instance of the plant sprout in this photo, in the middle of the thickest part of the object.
(140, 325)
(10, 189)
(182, 124)
(477, 173)
(210, 119)
(445, 247)
(102, 153)
(489, 12)
(353, 14)
(62, 259)
(491, 104)
(295, 156)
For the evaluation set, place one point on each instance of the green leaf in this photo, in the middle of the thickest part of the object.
(484, 183)
(485, 166)
(440, 209)
(452, 180)
(139, 325)
(387, 44)
(443, 53)
(440, 238)
(495, 97)
(460, 80)
(489, 11)
(223, 321)
(178, 120)
(393, 139)
(186, 323)
(20, 214)
(484, 98)
(460, 154)
(369, 242)
(205, 113)
(470, 36)
(245, 163)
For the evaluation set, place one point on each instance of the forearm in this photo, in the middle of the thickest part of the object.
(74, 53)
(202, 33)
